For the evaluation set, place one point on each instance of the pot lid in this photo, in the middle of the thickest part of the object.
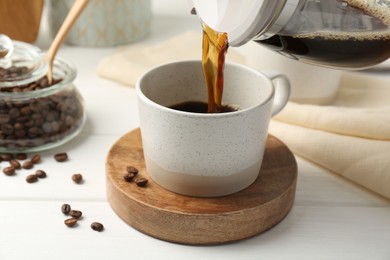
(20, 62)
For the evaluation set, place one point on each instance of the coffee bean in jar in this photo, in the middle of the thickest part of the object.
(36, 115)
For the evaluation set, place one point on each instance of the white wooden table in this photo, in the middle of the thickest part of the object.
(331, 218)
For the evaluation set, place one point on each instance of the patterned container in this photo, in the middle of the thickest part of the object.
(103, 22)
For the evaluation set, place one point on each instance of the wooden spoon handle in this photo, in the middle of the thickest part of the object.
(69, 21)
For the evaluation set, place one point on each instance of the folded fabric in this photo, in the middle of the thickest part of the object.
(350, 137)
(363, 161)
(130, 62)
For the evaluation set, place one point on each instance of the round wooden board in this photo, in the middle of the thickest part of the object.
(160, 213)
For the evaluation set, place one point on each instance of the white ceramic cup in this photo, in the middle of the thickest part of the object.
(310, 84)
(200, 154)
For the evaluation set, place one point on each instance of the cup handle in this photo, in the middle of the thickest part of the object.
(282, 90)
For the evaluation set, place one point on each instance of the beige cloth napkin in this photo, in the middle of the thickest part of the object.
(350, 137)
(130, 62)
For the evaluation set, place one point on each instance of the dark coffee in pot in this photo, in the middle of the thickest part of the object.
(349, 49)
(330, 50)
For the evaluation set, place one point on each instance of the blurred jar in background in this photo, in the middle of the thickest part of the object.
(20, 19)
(103, 22)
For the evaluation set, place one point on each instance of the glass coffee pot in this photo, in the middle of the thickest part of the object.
(345, 34)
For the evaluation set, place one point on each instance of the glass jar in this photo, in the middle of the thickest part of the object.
(35, 115)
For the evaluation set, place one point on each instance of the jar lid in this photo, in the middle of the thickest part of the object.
(20, 63)
(245, 20)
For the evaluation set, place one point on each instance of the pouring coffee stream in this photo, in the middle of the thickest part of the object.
(214, 47)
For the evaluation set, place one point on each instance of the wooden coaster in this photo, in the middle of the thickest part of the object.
(160, 213)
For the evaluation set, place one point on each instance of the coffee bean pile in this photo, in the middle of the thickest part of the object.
(12, 72)
(132, 176)
(15, 164)
(75, 216)
(33, 122)
(39, 174)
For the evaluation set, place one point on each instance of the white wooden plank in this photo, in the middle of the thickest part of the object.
(37, 229)
(316, 186)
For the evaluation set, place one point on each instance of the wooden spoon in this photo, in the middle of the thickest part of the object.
(69, 21)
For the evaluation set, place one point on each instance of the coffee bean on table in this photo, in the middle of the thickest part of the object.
(65, 208)
(97, 226)
(9, 170)
(40, 174)
(141, 182)
(27, 165)
(129, 177)
(70, 222)
(21, 156)
(132, 169)
(75, 213)
(31, 178)
(61, 157)
(7, 157)
(15, 163)
(36, 159)
(77, 178)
